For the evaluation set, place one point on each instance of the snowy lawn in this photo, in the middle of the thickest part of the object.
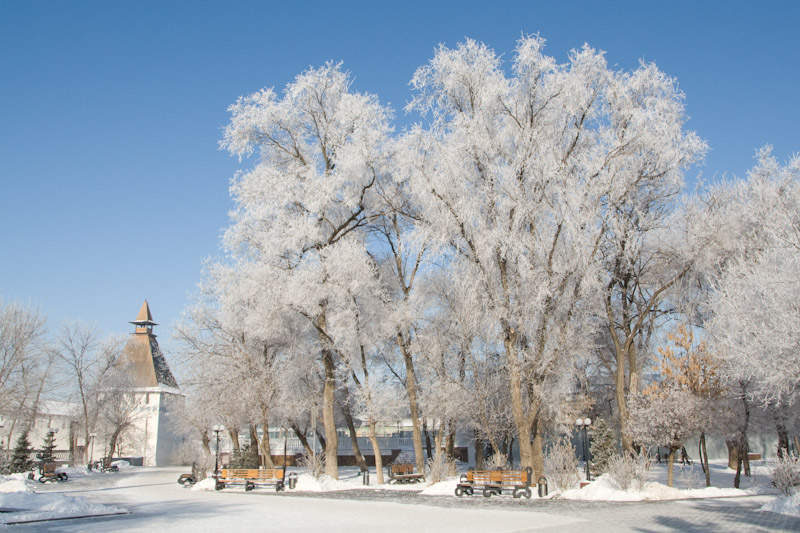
(689, 483)
(23, 500)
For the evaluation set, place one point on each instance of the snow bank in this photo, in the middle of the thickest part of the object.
(18, 496)
(605, 489)
(307, 483)
(443, 488)
(14, 485)
(206, 484)
(784, 505)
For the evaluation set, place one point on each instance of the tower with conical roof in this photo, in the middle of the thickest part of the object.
(145, 362)
(156, 392)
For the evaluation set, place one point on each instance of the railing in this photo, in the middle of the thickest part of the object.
(293, 445)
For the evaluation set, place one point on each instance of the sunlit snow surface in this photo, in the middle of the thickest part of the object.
(21, 502)
(155, 501)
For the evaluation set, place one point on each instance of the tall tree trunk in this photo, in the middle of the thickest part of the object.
(265, 447)
(704, 458)
(376, 449)
(622, 407)
(233, 433)
(427, 439)
(72, 445)
(437, 440)
(450, 445)
(204, 438)
(783, 441)
(670, 464)
(328, 413)
(113, 444)
(733, 453)
(255, 445)
(351, 427)
(737, 478)
(411, 390)
(479, 451)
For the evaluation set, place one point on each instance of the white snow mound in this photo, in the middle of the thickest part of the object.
(206, 484)
(784, 505)
(15, 485)
(604, 488)
(325, 483)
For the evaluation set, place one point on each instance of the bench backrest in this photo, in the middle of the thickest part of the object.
(500, 477)
(106, 462)
(49, 468)
(403, 469)
(253, 474)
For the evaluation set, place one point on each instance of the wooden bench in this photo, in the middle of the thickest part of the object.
(47, 472)
(403, 473)
(250, 477)
(496, 482)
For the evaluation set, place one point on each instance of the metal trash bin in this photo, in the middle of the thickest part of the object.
(542, 486)
(365, 474)
(292, 480)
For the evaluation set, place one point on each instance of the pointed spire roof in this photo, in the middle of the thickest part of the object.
(143, 358)
(144, 318)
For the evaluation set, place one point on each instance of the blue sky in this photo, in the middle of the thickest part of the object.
(114, 190)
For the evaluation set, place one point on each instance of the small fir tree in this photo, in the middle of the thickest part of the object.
(245, 457)
(3, 459)
(603, 446)
(20, 458)
(48, 448)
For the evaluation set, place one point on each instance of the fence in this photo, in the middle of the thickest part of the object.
(293, 445)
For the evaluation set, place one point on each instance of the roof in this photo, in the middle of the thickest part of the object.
(143, 359)
(144, 318)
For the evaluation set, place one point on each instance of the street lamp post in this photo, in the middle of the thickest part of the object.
(584, 423)
(217, 429)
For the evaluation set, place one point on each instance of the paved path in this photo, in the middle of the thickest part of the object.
(158, 503)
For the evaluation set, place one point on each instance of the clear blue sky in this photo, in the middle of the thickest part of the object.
(113, 189)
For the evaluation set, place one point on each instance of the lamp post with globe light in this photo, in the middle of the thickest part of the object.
(584, 423)
(217, 429)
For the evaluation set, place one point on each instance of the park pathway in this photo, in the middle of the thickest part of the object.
(158, 504)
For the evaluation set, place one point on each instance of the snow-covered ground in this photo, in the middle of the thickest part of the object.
(24, 501)
(151, 498)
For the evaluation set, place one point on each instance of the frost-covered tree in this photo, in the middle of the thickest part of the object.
(665, 416)
(297, 240)
(755, 316)
(686, 364)
(516, 179)
(399, 261)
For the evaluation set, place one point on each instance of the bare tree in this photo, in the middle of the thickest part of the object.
(87, 359)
